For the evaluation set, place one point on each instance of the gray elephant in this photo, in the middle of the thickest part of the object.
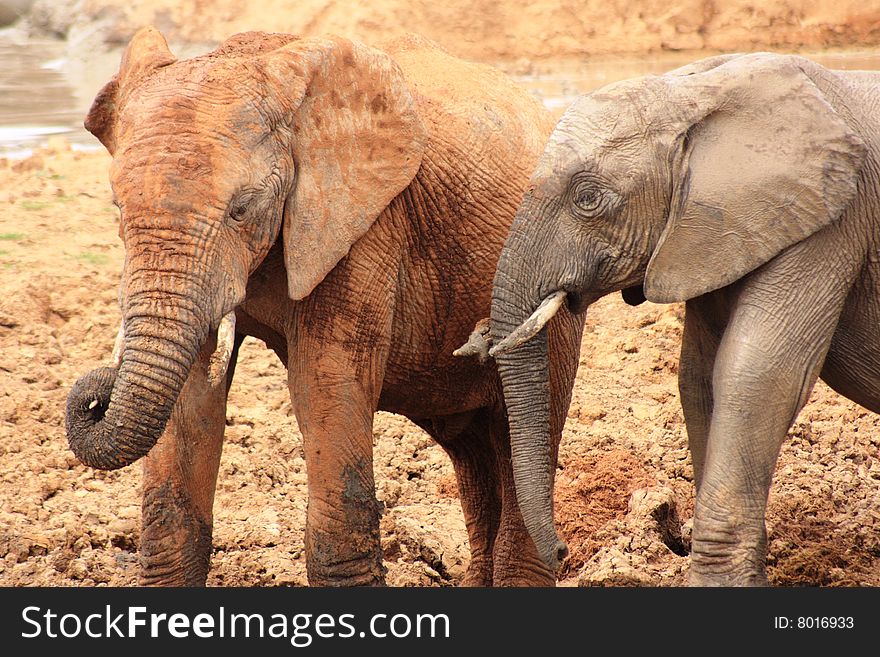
(747, 187)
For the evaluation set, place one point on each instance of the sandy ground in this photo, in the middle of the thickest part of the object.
(624, 486)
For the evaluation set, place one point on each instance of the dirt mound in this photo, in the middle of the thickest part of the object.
(590, 492)
(489, 30)
(804, 550)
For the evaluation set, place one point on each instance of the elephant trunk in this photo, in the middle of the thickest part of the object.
(114, 417)
(525, 378)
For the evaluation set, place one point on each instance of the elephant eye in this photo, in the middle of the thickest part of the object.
(588, 200)
(594, 200)
(239, 208)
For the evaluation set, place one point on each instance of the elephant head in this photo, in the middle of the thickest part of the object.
(667, 187)
(270, 137)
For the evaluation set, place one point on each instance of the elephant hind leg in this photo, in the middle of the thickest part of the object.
(465, 438)
(502, 552)
(699, 346)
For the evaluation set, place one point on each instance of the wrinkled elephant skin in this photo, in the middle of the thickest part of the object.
(348, 205)
(745, 186)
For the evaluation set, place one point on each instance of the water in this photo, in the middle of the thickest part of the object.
(44, 91)
(36, 98)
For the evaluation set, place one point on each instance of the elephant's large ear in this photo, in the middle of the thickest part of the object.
(357, 140)
(764, 162)
(146, 52)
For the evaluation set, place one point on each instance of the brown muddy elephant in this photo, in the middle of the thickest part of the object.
(346, 206)
(747, 187)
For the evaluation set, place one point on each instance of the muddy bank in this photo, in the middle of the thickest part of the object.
(487, 30)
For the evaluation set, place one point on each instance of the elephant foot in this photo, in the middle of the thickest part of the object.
(357, 572)
(516, 560)
(522, 573)
(353, 560)
(486, 571)
(357, 580)
(732, 578)
(728, 553)
(713, 564)
(479, 572)
(524, 578)
(175, 545)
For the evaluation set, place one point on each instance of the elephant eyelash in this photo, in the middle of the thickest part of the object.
(238, 212)
(238, 209)
(589, 200)
(254, 199)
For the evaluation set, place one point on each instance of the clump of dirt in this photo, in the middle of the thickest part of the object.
(591, 491)
(644, 548)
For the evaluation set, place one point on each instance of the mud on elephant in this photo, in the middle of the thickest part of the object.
(347, 206)
(745, 186)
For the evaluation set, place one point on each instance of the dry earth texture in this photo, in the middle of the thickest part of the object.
(624, 486)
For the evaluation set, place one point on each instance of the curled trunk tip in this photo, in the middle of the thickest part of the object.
(556, 555)
(87, 434)
(107, 433)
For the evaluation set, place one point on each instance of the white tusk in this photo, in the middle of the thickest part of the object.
(116, 358)
(223, 352)
(532, 326)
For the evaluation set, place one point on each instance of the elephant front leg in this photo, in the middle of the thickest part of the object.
(180, 477)
(335, 415)
(767, 363)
